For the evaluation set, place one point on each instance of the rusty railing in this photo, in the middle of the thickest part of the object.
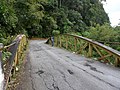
(87, 47)
(16, 48)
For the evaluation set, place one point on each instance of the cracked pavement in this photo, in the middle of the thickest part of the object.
(52, 68)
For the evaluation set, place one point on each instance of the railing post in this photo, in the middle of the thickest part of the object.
(55, 41)
(75, 42)
(1, 73)
(90, 50)
(1, 46)
(66, 42)
(119, 61)
(116, 61)
(60, 41)
(16, 58)
(0, 55)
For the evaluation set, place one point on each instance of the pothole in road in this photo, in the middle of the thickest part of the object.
(86, 64)
(37, 56)
(90, 61)
(40, 72)
(70, 72)
(69, 57)
(92, 68)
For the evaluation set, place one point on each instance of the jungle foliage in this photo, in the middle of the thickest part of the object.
(40, 18)
(105, 34)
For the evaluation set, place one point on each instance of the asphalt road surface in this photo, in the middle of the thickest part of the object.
(51, 68)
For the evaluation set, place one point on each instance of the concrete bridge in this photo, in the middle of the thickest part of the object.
(54, 68)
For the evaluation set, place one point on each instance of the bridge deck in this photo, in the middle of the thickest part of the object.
(51, 68)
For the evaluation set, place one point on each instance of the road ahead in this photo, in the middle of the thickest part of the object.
(51, 68)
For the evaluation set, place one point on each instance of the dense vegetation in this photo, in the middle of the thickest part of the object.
(39, 18)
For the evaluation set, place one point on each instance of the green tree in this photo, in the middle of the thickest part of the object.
(29, 14)
(40, 17)
(103, 33)
(117, 29)
(8, 18)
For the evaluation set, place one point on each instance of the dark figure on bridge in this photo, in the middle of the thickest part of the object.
(52, 40)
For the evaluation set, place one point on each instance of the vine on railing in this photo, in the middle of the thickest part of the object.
(16, 49)
(88, 48)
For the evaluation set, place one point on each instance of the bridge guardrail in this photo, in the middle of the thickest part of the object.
(16, 48)
(87, 47)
